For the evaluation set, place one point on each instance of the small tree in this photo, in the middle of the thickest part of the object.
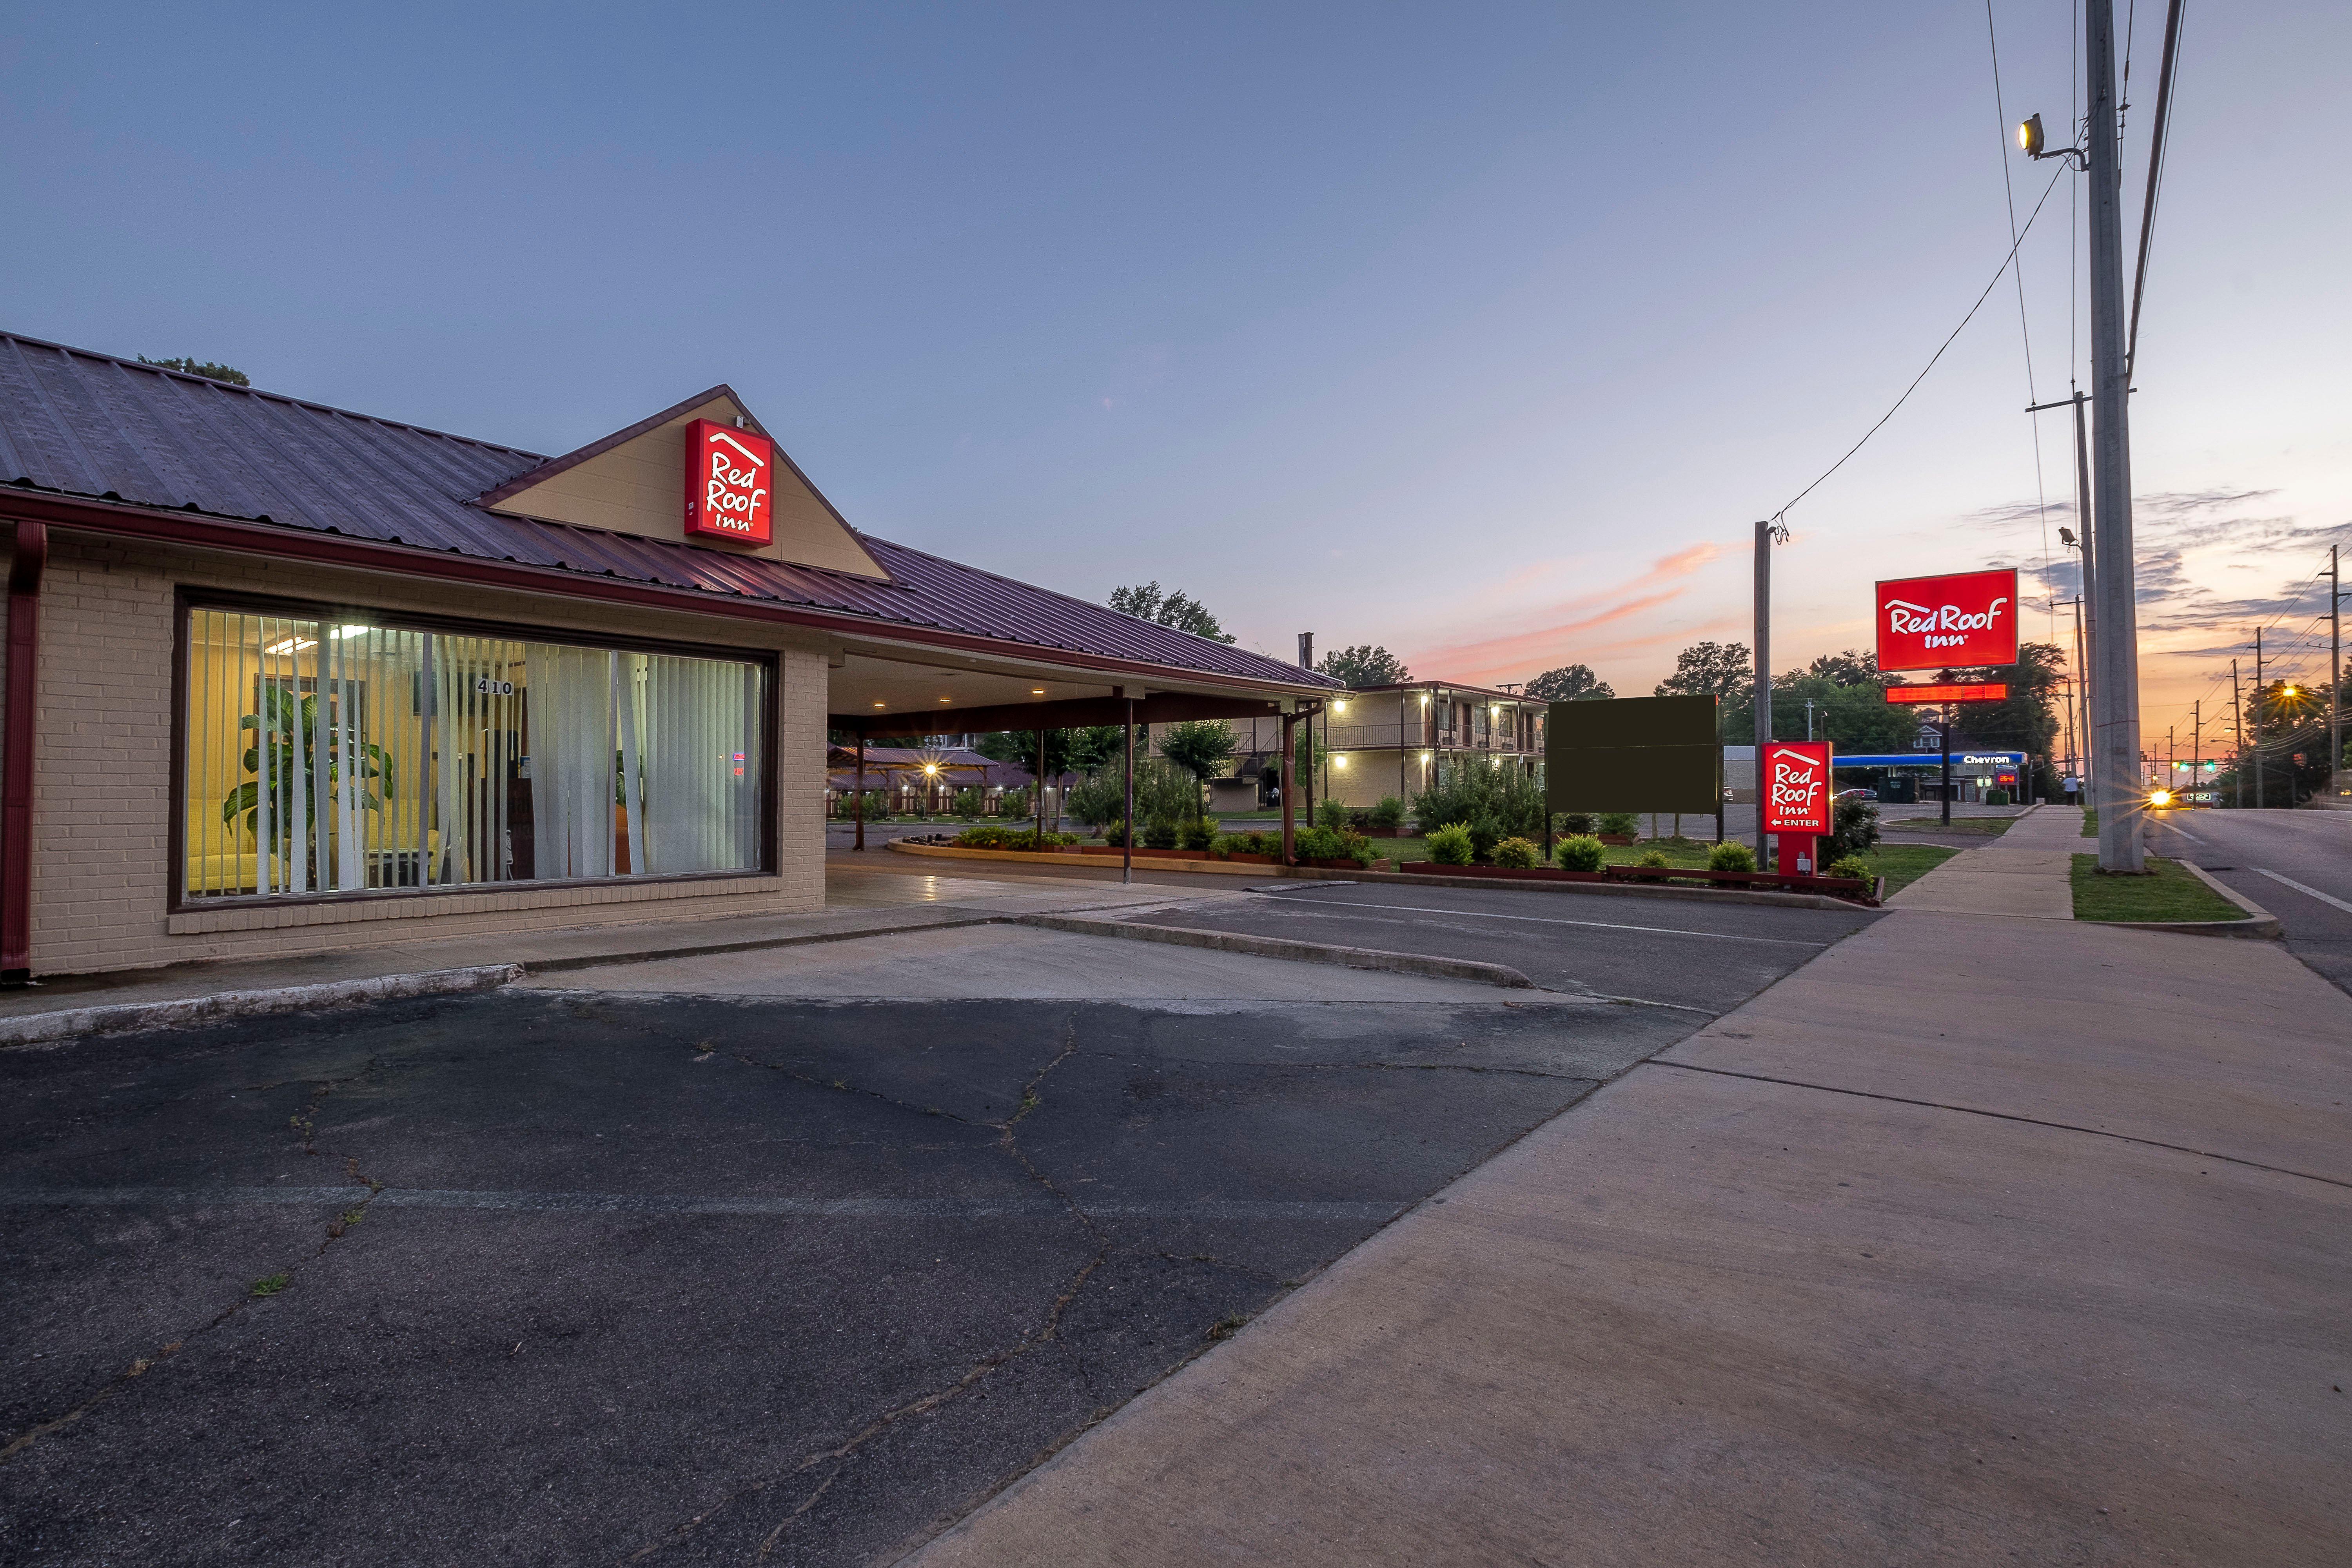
(1201, 748)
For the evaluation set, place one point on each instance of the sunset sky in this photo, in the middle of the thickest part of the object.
(1482, 332)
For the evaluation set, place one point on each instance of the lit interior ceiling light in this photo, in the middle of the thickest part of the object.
(877, 705)
(947, 698)
(1037, 692)
(291, 645)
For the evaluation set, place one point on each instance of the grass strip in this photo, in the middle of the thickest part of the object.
(2169, 892)
(1903, 864)
(1985, 826)
(2090, 822)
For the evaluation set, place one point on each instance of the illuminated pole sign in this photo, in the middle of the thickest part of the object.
(1797, 787)
(729, 479)
(1933, 623)
(1797, 800)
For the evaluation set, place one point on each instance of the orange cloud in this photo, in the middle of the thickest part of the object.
(1516, 655)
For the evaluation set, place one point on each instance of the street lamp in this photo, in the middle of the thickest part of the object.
(2031, 142)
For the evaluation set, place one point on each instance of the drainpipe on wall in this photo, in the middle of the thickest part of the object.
(17, 766)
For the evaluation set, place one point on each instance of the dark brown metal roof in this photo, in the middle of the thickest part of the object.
(84, 424)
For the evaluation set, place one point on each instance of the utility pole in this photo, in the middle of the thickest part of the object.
(1766, 533)
(2115, 695)
(2334, 673)
(2171, 767)
(2238, 727)
(1306, 775)
(2258, 718)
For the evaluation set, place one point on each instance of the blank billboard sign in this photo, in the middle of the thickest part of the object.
(1632, 754)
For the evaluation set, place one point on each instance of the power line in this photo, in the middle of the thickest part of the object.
(2157, 150)
(1939, 354)
(2033, 395)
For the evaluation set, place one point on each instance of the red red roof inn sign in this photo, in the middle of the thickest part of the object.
(729, 477)
(1934, 623)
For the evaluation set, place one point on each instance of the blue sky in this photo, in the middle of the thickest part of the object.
(1483, 332)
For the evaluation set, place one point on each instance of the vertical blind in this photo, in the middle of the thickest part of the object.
(335, 756)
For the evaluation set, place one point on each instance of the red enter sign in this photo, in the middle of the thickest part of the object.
(1797, 786)
(1930, 623)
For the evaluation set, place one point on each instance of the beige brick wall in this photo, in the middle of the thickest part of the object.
(101, 877)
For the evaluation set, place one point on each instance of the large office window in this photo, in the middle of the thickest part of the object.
(337, 755)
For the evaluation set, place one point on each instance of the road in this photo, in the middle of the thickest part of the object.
(2296, 864)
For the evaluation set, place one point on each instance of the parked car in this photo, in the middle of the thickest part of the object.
(1857, 794)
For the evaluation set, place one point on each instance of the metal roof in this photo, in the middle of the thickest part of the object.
(84, 424)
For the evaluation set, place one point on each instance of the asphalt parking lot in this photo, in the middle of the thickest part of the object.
(1680, 952)
(577, 1276)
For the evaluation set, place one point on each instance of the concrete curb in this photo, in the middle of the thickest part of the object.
(750, 945)
(1282, 947)
(50, 1028)
(2261, 924)
(1408, 878)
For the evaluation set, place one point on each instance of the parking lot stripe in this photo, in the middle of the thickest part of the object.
(1553, 920)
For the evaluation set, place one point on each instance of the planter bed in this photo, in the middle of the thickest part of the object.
(1532, 874)
(1851, 888)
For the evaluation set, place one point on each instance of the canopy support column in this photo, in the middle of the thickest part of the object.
(1289, 767)
(1126, 839)
(859, 793)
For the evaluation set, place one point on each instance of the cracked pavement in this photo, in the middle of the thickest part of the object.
(784, 1256)
(581, 1277)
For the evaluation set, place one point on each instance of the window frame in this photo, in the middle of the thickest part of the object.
(187, 600)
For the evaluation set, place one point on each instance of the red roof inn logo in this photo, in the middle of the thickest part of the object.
(729, 477)
(1933, 623)
(1797, 786)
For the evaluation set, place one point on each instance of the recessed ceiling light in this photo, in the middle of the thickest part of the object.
(1037, 692)
(947, 698)
(877, 705)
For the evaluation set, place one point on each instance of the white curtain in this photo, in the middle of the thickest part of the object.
(700, 733)
(572, 768)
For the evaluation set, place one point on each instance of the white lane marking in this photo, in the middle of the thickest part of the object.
(2314, 893)
(1547, 920)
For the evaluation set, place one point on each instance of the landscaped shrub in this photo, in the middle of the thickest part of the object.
(984, 836)
(1516, 854)
(1263, 842)
(1098, 798)
(1318, 843)
(1493, 802)
(1225, 845)
(1389, 812)
(1330, 813)
(1013, 803)
(1996, 798)
(1160, 833)
(1115, 834)
(1197, 834)
(1733, 855)
(1851, 866)
(1579, 852)
(1624, 824)
(1576, 823)
(1451, 845)
(1853, 830)
(1655, 860)
(970, 803)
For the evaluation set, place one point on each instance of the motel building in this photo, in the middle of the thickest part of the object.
(1394, 740)
(282, 678)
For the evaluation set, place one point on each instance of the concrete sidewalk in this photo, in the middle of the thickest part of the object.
(859, 904)
(1974, 1240)
(2026, 871)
